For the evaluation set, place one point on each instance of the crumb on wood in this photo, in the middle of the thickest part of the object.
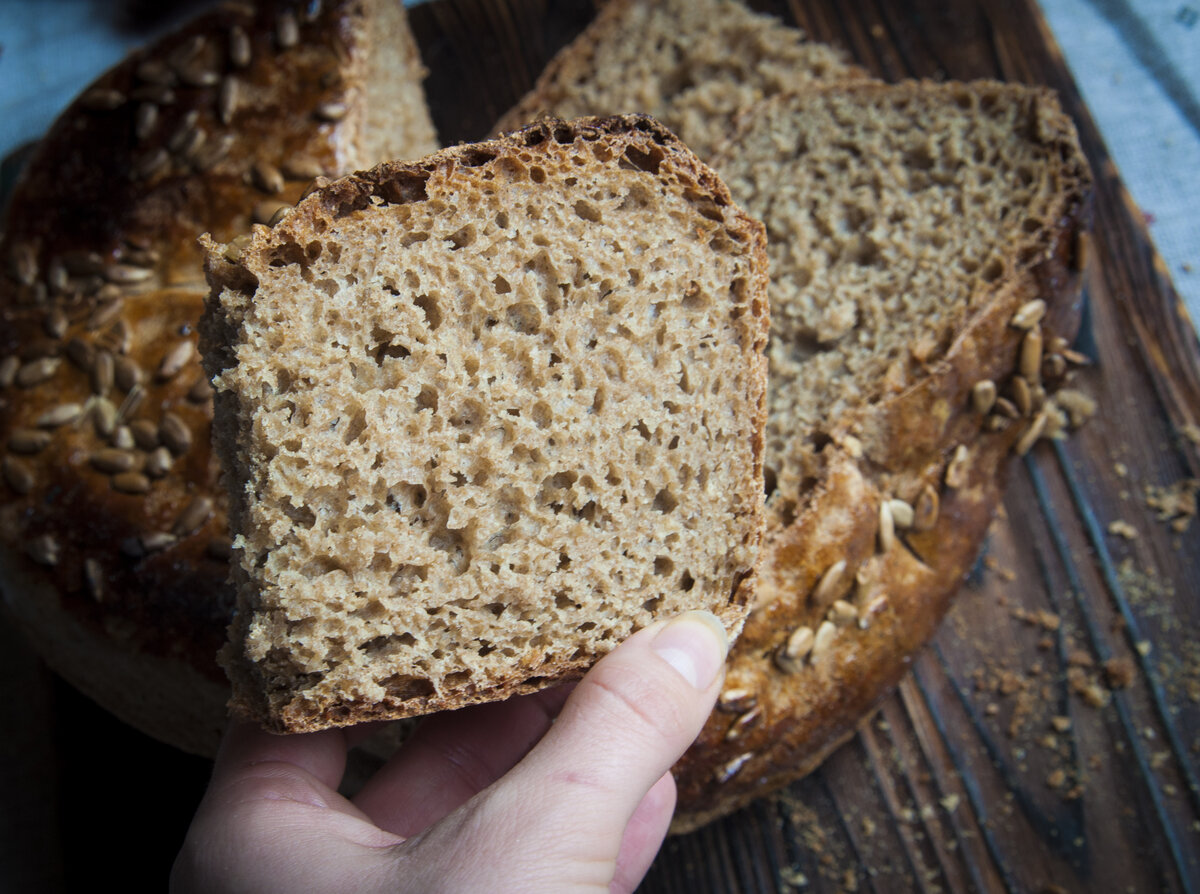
(1122, 528)
(1118, 672)
(1175, 504)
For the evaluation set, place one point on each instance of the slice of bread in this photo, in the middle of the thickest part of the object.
(693, 64)
(925, 246)
(484, 415)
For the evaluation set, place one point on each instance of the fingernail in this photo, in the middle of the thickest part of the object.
(695, 645)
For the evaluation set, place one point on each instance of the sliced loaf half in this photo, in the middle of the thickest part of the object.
(484, 415)
(693, 64)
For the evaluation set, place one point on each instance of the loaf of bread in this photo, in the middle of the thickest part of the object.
(484, 415)
(693, 64)
(113, 546)
(924, 254)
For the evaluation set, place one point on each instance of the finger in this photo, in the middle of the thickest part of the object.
(557, 820)
(454, 756)
(321, 754)
(644, 834)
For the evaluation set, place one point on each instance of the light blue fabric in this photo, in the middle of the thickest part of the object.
(1137, 63)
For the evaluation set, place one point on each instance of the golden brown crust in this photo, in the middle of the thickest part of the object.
(928, 446)
(111, 520)
(627, 143)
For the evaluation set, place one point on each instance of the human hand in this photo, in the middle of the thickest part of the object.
(499, 797)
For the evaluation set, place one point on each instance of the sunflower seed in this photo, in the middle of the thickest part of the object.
(887, 527)
(1007, 408)
(174, 434)
(266, 177)
(63, 414)
(1030, 364)
(1075, 358)
(302, 167)
(743, 723)
(239, 47)
(826, 634)
(193, 517)
(37, 371)
(126, 373)
(155, 71)
(827, 587)
(102, 373)
(212, 153)
(197, 75)
(156, 541)
(902, 513)
(1054, 366)
(104, 417)
(132, 402)
(843, 613)
(1029, 314)
(287, 30)
(45, 550)
(159, 94)
(1029, 438)
(200, 391)
(105, 313)
(28, 441)
(270, 212)
(799, 643)
(149, 164)
(318, 183)
(983, 396)
(874, 607)
(57, 277)
(159, 462)
(117, 339)
(925, 511)
(233, 251)
(227, 99)
(145, 433)
(93, 576)
(183, 131)
(1022, 395)
(187, 52)
(131, 483)
(956, 469)
(735, 701)
(144, 120)
(112, 461)
(102, 99)
(122, 438)
(55, 323)
(8, 370)
(729, 769)
(18, 475)
(331, 111)
(175, 360)
(24, 263)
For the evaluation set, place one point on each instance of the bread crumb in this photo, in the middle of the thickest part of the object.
(1122, 528)
(1118, 672)
(1121, 469)
(1056, 778)
(1174, 503)
(1061, 723)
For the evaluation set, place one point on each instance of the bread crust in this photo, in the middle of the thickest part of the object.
(234, 276)
(120, 581)
(899, 447)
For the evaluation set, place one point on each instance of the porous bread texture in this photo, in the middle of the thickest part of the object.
(892, 212)
(693, 64)
(483, 416)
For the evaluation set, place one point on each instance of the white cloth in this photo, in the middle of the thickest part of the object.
(1137, 63)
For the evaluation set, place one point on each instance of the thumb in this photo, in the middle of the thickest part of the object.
(556, 821)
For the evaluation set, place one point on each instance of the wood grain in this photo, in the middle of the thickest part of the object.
(1004, 762)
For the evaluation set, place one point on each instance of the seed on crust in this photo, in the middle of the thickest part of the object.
(159, 462)
(102, 99)
(266, 177)
(183, 131)
(197, 75)
(239, 47)
(1054, 366)
(122, 438)
(1029, 438)
(112, 461)
(55, 323)
(331, 111)
(28, 441)
(149, 164)
(874, 607)
(887, 527)
(132, 402)
(174, 434)
(145, 433)
(104, 417)
(63, 414)
(956, 469)
(131, 483)
(212, 153)
(827, 586)
(102, 373)
(156, 541)
(287, 30)
(301, 167)
(983, 396)
(1029, 314)
(8, 370)
(117, 339)
(193, 517)
(743, 723)
(175, 360)
(126, 373)
(902, 513)
(269, 212)
(155, 71)
(57, 277)
(23, 259)
(925, 511)
(144, 120)
(823, 639)
(1030, 364)
(93, 576)
(227, 99)
(736, 700)
(1075, 358)
(729, 769)
(1022, 395)
(159, 94)
(842, 614)
(18, 475)
(37, 371)
(200, 391)
(105, 313)
(45, 550)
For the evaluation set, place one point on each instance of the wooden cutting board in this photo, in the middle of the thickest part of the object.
(1012, 758)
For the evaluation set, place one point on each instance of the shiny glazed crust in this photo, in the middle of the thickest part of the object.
(113, 547)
